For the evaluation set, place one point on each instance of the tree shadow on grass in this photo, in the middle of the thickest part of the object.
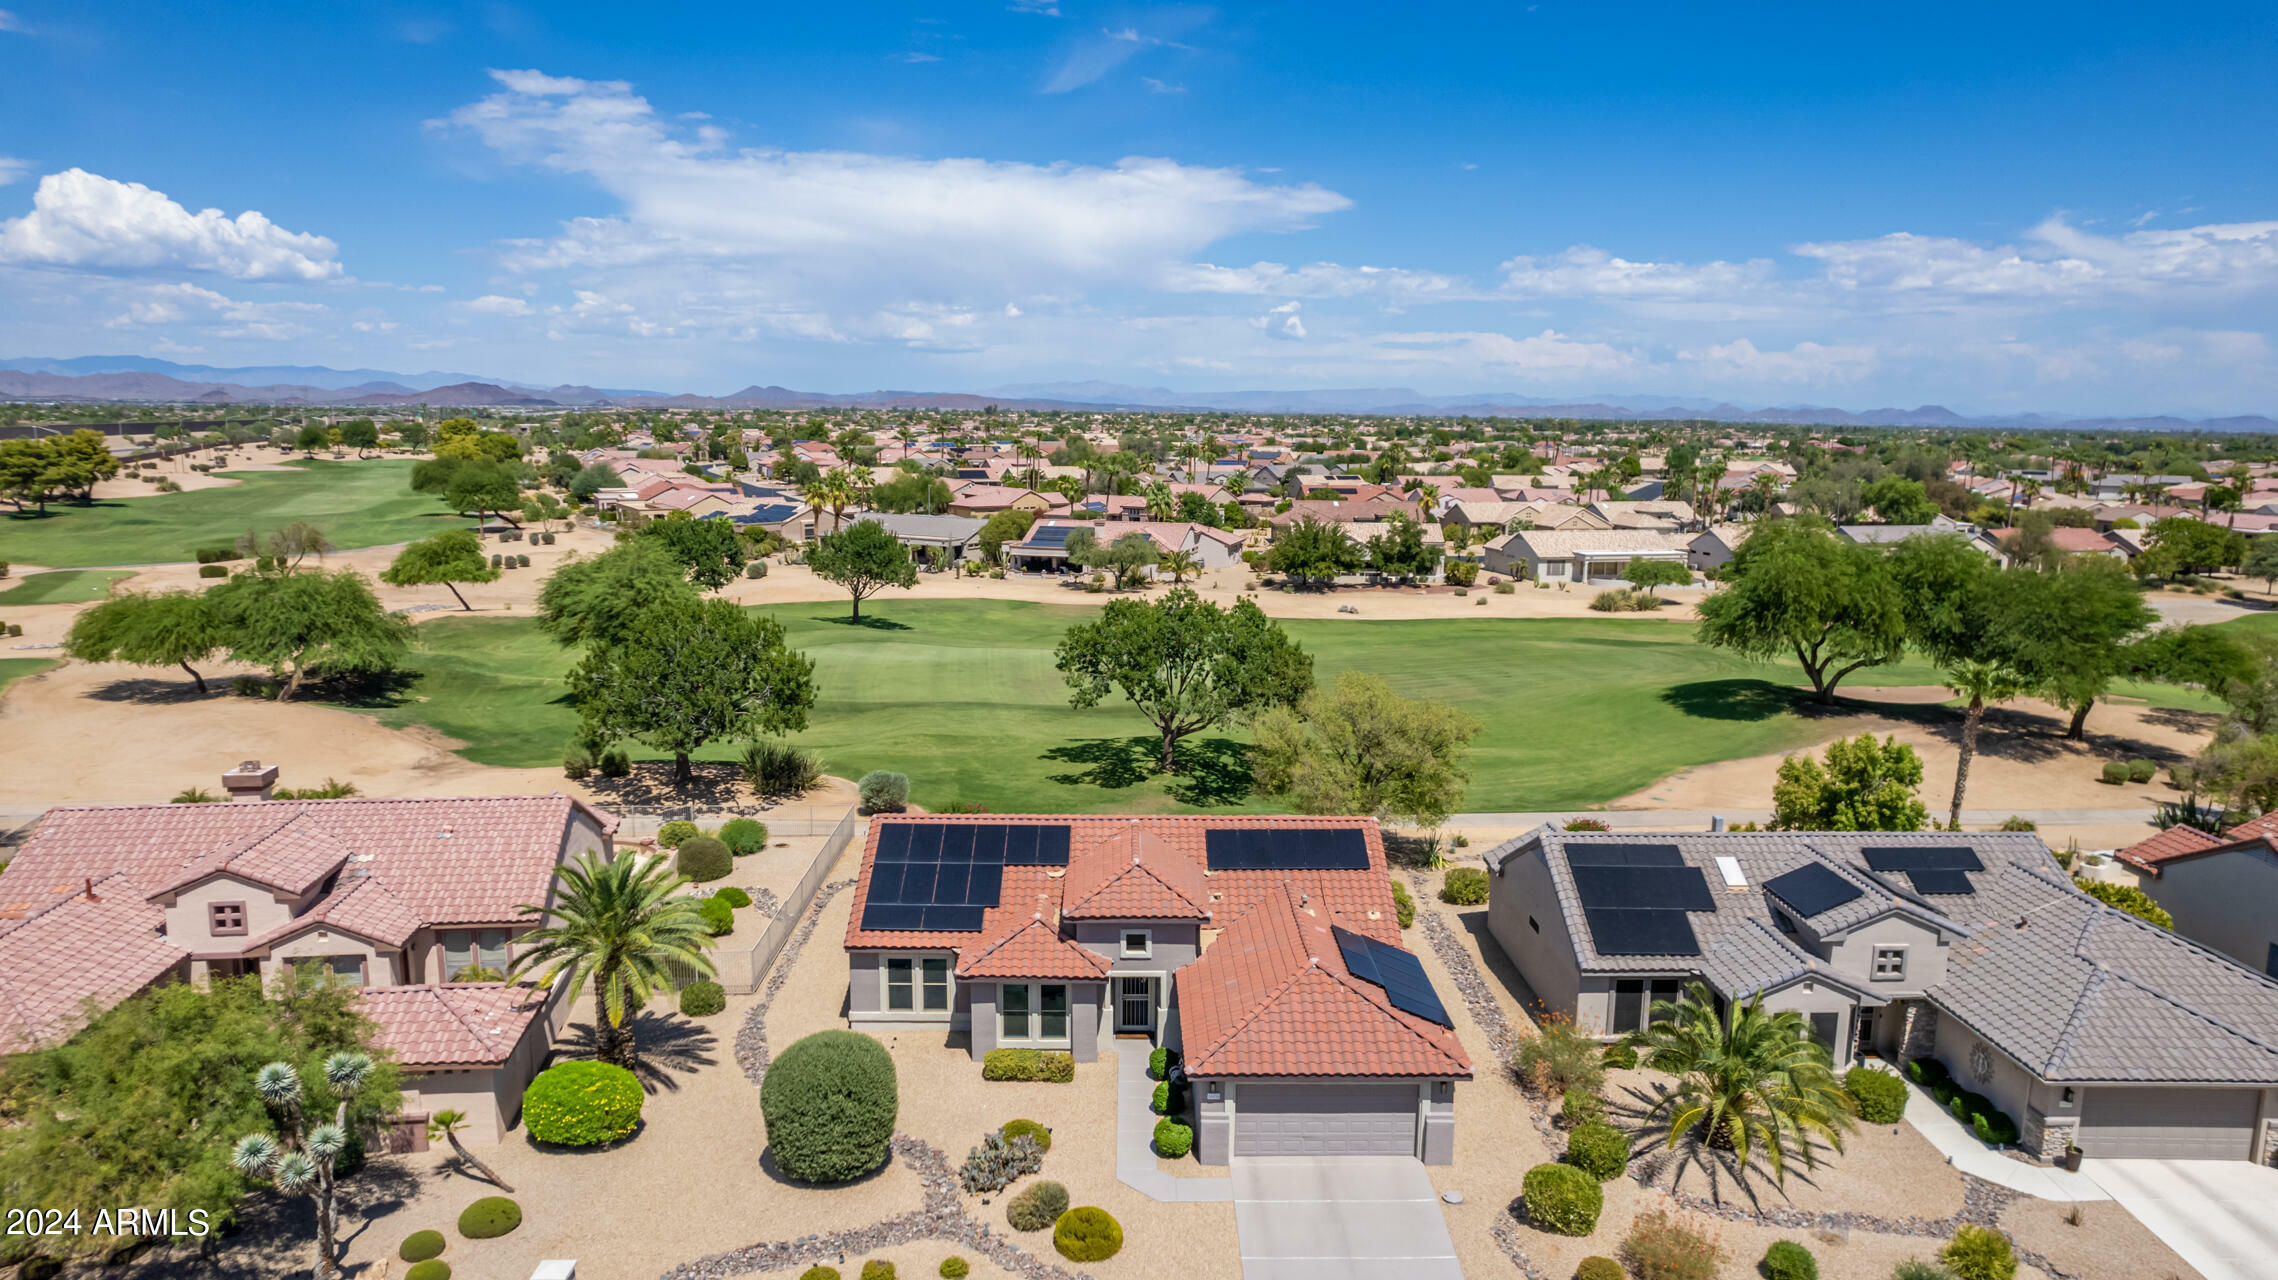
(1211, 771)
(1735, 699)
(669, 1048)
(871, 623)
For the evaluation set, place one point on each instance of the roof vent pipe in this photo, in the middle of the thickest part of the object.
(1716, 822)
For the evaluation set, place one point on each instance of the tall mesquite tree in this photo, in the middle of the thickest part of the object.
(686, 672)
(450, 558)
(168, 628)
(1187, 664)
(1796, 591)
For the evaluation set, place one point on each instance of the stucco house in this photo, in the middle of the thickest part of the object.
(1265, 950)
(2221, 890)
(2079, 1021)
(955, 537)
(398, 897)
(1582, 555)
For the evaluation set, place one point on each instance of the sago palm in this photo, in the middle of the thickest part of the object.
(1747, 1080)
(1984, 684)
(620, 926)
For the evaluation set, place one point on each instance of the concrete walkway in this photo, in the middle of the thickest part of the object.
(1135, 1135)
(1341, 1218)
(2220, 1215)
(1963, 1151)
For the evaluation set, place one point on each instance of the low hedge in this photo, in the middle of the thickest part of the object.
(1989, 1123)
(1787, 1260)
(677, 832)
(1173, 1139)
(702, 999)
(1087, 1234)
(1599, 1150)
(1464, 887)
(1581, 1104)
(1562, 1199)
(432, 1269)
(582, 1104)
(1881, 1096)
(492, 1216)
(1926, 1072)
(419, 1246)
(1040, 1065)
(1029, 1129)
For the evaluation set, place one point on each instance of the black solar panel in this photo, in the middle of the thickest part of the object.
(1593, 853)
(1922, 858)
(1944, 883)
(1401, 975)
(1644, 888)
(940, 876)
(1616, 932)
(1050, 535)
(1812, 888)
(1286, 849)
(892, 915)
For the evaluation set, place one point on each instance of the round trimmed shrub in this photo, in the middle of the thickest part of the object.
(829, 1102)
(1787, 1260)
(733, 896)
(1037, 1207)
(494, 1216)
(1880, 1094)
(1172, 1138)
(883, 792)
(743, 836)
(419, 1246)
(1162, 1102)
(432, 1269)
(954, 1268)
(1087, 1234)
(1979, 1253)
(703, 858)
(1029, 1129)
(877, 1269)
(1464, 887)
(719, 917)
(702, 999)
(1158, 1062)
(819, 1272)
(1562, 1199)
(1620, 1056)
(676, 833)
(582, 1104)
(1599, 1150)
(1597, 1268)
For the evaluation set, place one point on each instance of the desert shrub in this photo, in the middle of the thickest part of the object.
(614, 763)
(1464, 886)
(1038, 1206)
(577, 764)
(1917, 1269)
(1562, 1199)
(733, 896)
(1558, 1057)
(883, 792)
(877, 1269)
(954, 1268)
(581, 1104)
(1661, 1247)
(2142, 770)
(1173, 1139)
(1087, 1234)
(1159, 1063)
(546, 538)
(419, 1246)
(819, 1273)
(1620, 1055)
(743, 836)
(1504, 589)
(2130, 899)
(829, 1102)
(1597, 1268)
(676, 833)
(2116, 772)
(522, 560)
(1599, 1150)
(1029, 1129)
(1787, 1260)
(1403, 906)
(757, 569)
(1881, 1096)
(778, 768)
(432, 1269)
(703, 858)
(1461, 573)
(1579, 1105)
(719, 917)
(213, 571)
(1925, 1071)
(2016, 823)
(703, 999)
(494, 1216)
(1028, 1064)
(1979, 1253)
(1587, 824)
(999, 1162)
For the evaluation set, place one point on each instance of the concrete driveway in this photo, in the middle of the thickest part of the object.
(1340, 1218)
(2221, 1215)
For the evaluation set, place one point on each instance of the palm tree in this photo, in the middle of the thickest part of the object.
(1984, 684)
(1178, 564)
(445, 1124)
(1161, 503)
(1747, 1080)
(620, 926)
(1767, 486)
(302, 1160)
(838, 495)
(817, 495)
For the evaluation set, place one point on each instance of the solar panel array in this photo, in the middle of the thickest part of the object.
(1049, 535)
(937, 877)
(1635, 896)
(1813, 888)
(1285, 849)
(1933, 869)
(1401, 975)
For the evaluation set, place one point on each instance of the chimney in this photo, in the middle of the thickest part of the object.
(250, 780)
(1716, 823)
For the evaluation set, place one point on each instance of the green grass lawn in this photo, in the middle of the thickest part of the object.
(67, 586)
(357, 504)
(963, 697)
(12, 669)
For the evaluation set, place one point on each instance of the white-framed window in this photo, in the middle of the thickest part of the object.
(917, 984)
(1032, 1012)
(468, 948)
(1138, 944)
(1890, 964)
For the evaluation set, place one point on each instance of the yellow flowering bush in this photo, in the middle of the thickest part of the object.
(582, 1104)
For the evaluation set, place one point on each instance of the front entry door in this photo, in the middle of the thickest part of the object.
(1134, 1006)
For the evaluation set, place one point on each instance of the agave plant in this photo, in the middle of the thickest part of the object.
(1748, 1082)
(300, 1159)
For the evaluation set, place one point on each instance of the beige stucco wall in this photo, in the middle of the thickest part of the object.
(381, 967)
(2223, 901)
(188, 924)
(1543, 952)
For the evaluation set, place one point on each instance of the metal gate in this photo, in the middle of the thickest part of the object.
(1134, 1004)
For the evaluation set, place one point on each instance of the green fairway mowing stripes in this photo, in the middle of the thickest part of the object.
(963, 697)
(357, 504)
(69, 586)
(12, 669)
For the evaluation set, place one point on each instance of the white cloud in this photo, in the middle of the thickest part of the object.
(914, 57)
(1287, 326)
(1314, 280)
(1158, 86)
(1587, 272)
(84, 220)
(212, 313)
(1094, 57)
(2057, 261)
(493, 304)
(1807, 363)
(13, 170)
(10, 22)
(1547, 353)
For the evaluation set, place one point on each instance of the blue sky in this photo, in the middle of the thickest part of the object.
(1996, 207)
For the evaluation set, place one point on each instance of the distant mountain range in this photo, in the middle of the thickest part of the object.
(147, 379)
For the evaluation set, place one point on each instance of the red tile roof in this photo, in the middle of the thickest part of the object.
(1133, 874)
(283, 851)
(57, 956)
(2175, 842)
(1272, 997)
(1031, 948)
(466, 1024)
(360, 906)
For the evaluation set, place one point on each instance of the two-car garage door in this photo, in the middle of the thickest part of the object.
(2168, 1124)
(1275, 1119)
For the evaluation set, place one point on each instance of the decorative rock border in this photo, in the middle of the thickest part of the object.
(940, 1214)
